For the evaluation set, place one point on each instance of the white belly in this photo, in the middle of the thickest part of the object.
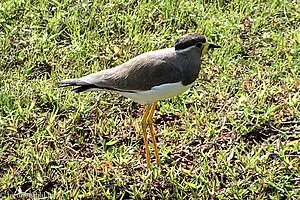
(156, 93)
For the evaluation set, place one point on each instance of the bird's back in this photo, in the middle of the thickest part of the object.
(143, 72)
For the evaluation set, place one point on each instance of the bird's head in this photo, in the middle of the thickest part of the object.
(194, 39)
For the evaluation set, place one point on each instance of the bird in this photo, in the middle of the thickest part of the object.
(150, 77)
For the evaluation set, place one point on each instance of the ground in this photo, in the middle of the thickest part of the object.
(234, 135)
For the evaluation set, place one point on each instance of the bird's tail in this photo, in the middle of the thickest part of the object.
(82, 86)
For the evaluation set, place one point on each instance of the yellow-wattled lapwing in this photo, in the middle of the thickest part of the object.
(150, 77)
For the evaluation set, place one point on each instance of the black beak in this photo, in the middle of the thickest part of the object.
(213, 46)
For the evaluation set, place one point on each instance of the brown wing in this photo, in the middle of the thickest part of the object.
(141, 73)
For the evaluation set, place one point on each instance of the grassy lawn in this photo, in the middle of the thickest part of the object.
(234, 135)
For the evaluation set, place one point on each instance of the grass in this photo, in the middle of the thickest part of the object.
(233, 135)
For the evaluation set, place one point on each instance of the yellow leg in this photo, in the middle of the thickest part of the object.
(144, 127)
(150, 123)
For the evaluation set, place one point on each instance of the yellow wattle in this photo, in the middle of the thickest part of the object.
(205, 48)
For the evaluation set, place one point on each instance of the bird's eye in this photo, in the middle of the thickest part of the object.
(199, 44)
